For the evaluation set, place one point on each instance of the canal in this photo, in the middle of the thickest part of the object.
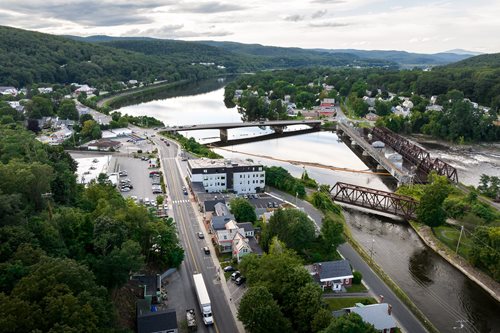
(451, 301)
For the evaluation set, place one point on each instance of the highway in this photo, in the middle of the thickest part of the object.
(195, 260)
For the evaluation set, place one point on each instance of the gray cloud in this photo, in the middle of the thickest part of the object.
(175, 31)
(294, 18)
(328, 25)
(89, 12)
(319, 13)
(331, 2)
(207, 7)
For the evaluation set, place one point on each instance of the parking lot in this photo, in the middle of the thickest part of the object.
(236, 291)
(138, 174)
(90, 166)
(265, 201)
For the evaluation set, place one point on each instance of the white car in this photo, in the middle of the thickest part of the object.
(146, 201)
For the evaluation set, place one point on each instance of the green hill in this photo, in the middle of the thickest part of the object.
(483, 60)
(32, 57)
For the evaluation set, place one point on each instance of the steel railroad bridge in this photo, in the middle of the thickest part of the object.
(277, 125)
(382, 201)
(416, 155)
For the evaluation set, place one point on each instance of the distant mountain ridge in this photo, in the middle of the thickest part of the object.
(402, 58)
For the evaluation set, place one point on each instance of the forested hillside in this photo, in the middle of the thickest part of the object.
(30, 57)
(65, 248)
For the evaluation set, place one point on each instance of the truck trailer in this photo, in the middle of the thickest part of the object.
(203, 299)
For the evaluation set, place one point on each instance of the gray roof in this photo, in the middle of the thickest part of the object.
(149, 322)
(221, 209)
(252, 242)
(149, 281)
(247, 226)
(210, 204)
(376, 314)
(330, 269)
(219, 222)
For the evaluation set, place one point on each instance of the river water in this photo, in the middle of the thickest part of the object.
(450, 301)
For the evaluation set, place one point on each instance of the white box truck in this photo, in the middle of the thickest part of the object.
(203, 299)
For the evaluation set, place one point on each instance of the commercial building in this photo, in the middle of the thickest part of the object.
(227, 175)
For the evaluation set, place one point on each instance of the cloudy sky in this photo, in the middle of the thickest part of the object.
(413, 25)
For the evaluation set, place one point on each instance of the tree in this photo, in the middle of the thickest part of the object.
(260, 313)
(84, 117)
(160, 199)
(243, 210)
(349, 323)
(291, 226)
(430, 209)
(307, 303)
(331, 233)
(67, 110)
(383, 108)
(485, 251)
(91, 130)
(357, 277)
(39, 107)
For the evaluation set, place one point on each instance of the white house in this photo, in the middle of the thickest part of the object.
(45, 90)
(8, 91)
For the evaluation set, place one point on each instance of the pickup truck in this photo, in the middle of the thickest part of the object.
(191, 319)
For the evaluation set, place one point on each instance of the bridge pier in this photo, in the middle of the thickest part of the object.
(278, 129)
(223, 134)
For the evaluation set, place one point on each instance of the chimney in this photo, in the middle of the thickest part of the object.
(389, 309)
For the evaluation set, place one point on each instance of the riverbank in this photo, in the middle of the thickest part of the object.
(115, 101)
(480, 278)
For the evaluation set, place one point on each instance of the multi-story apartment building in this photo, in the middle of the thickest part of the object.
(232, 175)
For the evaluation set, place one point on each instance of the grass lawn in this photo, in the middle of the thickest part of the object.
(356, 288)
(449, 236)
(338, 303)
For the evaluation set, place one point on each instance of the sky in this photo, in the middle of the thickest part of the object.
(424, 26)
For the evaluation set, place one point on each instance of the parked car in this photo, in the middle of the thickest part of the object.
(206, 250)
(95, 160)
(125, 189)
(123, 173)
(235, 275)
(146, 201)
(200, 235)
(241, 279)
(275, 204)
(269, 204)
(229, 269)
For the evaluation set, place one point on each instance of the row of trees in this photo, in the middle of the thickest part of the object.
(65, 247)
(282, 297)
(460, 121)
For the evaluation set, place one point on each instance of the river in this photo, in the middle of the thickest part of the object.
(445, 295)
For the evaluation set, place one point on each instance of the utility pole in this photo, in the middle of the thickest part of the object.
(371, 250)
(459, 238)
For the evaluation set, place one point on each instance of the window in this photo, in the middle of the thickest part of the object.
(225, 237)
(262, 181)
(223, 177)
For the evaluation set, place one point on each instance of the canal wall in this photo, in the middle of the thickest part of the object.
(481, 279)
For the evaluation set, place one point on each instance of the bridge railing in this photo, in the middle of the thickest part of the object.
(370, 198)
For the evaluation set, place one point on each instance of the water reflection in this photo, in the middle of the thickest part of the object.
(421, 266)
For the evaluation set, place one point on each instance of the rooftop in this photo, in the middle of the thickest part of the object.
(154, 321)
(330, 269)
(219, 163)
(247, 226)
(376, 314)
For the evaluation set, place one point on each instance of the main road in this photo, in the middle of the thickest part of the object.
(195, 261)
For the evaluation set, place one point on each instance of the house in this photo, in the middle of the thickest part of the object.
(401, 111)
(237, 238)
(238, 93)
(104, 145)
(84, 89)
(332, 274)
(370, 116)
(434, 107)
(16, 105)
(45, 90)
(379, 315)
(151, 286)
(152, 320)
(132, 81)
(407, 104)
(154, 163)
(8, 91)
(369, 100)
